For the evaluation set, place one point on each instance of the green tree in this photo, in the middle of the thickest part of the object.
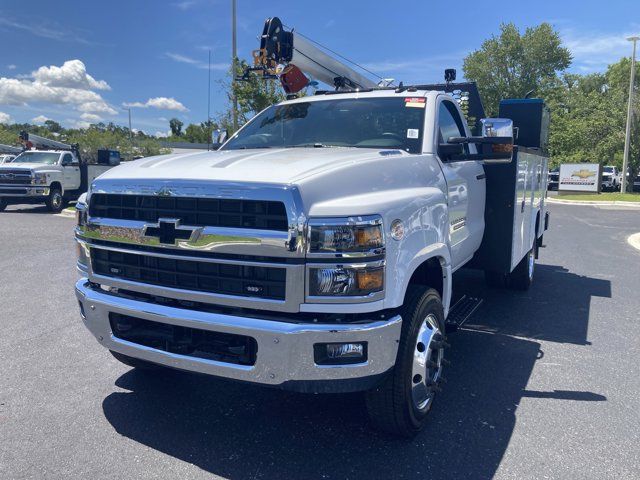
(176, 127)
(253, 95)
(53, 126)
(510, 65)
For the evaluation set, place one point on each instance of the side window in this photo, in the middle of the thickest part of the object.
(449, 122)
(67, 159)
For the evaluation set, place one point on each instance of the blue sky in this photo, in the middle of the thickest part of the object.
(152, 55)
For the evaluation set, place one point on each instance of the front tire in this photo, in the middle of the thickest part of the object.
(400, 405)
(55, 200)
(3, 204)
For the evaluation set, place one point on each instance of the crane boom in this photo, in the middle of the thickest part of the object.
(285, 53)
(36, 141)
(9, 149)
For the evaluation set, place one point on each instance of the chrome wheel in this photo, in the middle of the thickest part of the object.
(427, 363)
(56, 200)
(532, 263)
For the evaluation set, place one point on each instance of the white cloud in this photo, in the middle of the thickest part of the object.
(97, 107)
(72, 74)
(81, 124)
(12, 67)
(162, 134)
(185, 4)
(40, 119)
(177, 57)
(41, 29)
(5, 118)
(69, 84)
(91, 117)
(595, 51)
(162, 103)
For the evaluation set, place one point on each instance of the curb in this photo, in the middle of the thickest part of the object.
(592, 202)
(634, 241)
(65, 213)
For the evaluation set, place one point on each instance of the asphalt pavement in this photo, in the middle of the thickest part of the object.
(543, 384)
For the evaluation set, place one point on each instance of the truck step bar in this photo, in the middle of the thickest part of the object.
(462, 311)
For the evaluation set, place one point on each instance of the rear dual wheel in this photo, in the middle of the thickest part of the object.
(400, 405)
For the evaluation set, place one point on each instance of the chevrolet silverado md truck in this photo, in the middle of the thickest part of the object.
(315, 250)
(49, 172)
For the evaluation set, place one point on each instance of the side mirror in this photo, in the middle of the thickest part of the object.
(500, 151)
(449, 151)
(219, 136)
(65, 162)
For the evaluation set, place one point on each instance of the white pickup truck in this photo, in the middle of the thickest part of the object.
(315, 250)
(49, 172)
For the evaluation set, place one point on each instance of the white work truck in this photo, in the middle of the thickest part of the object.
(315, 250)
(49, 172)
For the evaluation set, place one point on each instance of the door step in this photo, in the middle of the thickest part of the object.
(461, 312)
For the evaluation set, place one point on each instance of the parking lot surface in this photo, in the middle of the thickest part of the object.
(543, 384)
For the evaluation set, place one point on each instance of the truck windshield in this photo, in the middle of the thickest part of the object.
(395, 123)
(47, 158)
(608, 169)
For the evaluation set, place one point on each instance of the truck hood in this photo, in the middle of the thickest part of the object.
(274, 166)
(35, 167)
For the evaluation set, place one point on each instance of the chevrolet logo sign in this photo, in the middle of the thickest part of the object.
(168, 231)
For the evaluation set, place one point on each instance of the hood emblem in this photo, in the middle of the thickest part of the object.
(164, 192)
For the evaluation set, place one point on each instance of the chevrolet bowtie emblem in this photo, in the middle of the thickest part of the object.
(168, 231)
(164, 192)
(584, 173)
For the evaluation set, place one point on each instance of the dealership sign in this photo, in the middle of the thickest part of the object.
(579, 177)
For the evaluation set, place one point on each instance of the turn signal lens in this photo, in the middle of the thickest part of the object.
(371, 279)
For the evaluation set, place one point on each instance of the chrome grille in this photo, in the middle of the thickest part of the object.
(194, 275)
(11, 176)
(198, 212)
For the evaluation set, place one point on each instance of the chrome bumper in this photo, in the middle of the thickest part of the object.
(24, 190)
(285, 350)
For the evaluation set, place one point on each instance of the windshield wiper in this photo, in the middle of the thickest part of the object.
(310, 145)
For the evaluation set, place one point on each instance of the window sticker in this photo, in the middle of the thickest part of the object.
(415, 102)
(413, 133)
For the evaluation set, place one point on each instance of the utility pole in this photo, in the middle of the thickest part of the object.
(627, 137)
(130, 133)
(234, 54)
(209, 104)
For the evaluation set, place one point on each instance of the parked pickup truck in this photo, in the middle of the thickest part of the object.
(315, 250)
(49, 172)
(611, 178)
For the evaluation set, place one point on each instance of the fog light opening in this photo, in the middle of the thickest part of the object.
(340, 353)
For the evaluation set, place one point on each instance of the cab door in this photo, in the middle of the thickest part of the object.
(70, 172)
(465, 186)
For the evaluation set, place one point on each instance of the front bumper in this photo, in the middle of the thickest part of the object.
(24, 191)
(285, 355)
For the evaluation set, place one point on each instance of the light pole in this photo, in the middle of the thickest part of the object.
(130, 132)
(627, 136)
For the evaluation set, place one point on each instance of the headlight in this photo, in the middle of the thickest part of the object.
(40, 178)
(345, 235)
(81, 214)
(346, 281)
